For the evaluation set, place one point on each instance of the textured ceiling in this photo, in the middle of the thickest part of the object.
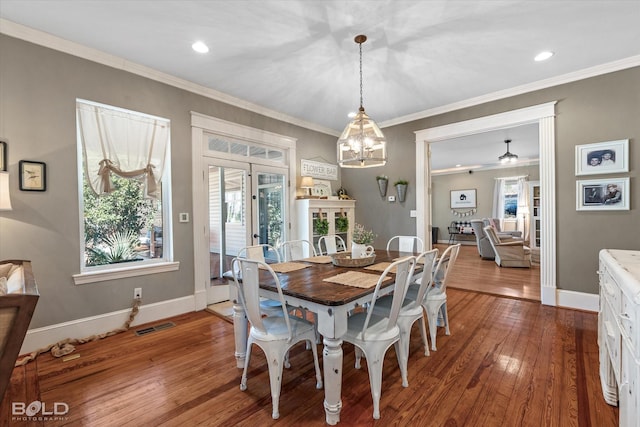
(298, 57)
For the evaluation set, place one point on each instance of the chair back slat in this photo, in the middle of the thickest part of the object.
(404, 271)
(297, 249)
(257, 252)
(429, 261)
(443, 267)
(407, 243)
(246, 277)
(332, 244)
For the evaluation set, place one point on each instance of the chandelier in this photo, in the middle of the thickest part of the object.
(508, 157)
(362, 144)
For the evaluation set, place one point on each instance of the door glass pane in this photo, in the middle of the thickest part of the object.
(227, 216)
(271, 204)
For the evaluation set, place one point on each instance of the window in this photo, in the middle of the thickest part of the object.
(510, 198)
(125, 176)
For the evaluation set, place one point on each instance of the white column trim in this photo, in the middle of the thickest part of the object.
(544, 115)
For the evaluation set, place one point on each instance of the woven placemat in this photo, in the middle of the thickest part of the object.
(354, 278)
(286, 267)
(322, 259)
(381, 266)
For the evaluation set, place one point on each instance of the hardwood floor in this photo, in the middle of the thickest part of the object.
(508, 362)
(476, 274)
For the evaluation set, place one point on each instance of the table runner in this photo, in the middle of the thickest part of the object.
(286, 267)
(354, 278)
(321, 259)
(381, 267)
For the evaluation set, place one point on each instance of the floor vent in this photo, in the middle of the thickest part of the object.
(156, 328)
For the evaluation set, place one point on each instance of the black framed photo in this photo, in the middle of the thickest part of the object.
(3, 156)
(33, 176)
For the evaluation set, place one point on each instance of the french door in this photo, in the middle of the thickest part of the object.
(247, 205)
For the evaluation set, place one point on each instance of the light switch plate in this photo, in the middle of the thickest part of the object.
(392, 198)
(184, 217)
(413, 213)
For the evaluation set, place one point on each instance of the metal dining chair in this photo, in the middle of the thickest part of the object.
(293, 250)
(332, 243)
(406, 243)
(373, 334)
(411, 310)
(276, 334)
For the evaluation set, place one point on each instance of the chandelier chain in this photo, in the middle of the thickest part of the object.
(360, 44)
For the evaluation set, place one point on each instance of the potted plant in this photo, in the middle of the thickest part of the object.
(361, 241)
(401, 188)
(383, 180)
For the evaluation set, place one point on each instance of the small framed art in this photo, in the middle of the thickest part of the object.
(602, 194)
(33, 176)
(461, 199)
(3, 156)
(602, 157)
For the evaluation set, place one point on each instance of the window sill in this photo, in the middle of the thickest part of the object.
(124, 272)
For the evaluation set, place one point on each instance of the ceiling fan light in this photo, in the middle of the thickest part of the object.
(508, 157)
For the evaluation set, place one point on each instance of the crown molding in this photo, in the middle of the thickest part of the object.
(597, 70)
(62, 45)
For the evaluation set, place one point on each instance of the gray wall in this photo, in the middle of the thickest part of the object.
(597, 109)
(37, 118)
(483, 181)
(38, 90)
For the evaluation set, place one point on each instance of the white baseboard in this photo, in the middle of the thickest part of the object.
(82, 328)
(578, 300)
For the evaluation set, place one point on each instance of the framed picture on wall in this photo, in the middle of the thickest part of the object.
(33, 176)
(461, 199)
(3, 156)
(602, 194)
(602, 157)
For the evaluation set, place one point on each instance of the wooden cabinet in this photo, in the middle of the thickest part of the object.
(619, 332)
(317, 217)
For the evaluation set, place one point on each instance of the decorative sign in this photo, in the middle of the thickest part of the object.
(318, 170)
(463, 199)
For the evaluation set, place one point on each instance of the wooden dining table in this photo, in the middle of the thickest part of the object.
(331, 302)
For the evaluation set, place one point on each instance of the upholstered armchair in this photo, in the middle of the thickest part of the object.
(484, 247)
(495, 223)
(508, 253)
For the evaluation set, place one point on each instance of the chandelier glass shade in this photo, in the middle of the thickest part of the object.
(508, 157)
(362, 143)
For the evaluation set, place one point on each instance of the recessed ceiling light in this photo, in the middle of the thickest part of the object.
(200, 47)
(458, 166)
(543, 56)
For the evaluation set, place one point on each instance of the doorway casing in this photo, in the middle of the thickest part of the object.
(544, 116)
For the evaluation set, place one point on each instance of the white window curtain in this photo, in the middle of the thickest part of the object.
(126, 143)
(523, 215)
(498, 198)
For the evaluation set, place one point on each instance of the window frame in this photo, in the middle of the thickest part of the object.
(99, 273)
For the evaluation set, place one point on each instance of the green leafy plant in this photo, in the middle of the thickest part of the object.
(321, 226)
(117, 247)
(401, 182)
(382, 178)
(342, 224)
(362, 236)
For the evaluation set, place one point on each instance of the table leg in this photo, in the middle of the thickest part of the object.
(332, 361)
(240, 325)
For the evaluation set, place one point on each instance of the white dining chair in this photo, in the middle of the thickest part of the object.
(293, 250)
(373, 334)
(406, 243)
(435, 299)
(332, 244)
(411, 310)
(275, 335)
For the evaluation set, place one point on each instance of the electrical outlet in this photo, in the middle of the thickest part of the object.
(137, 293)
